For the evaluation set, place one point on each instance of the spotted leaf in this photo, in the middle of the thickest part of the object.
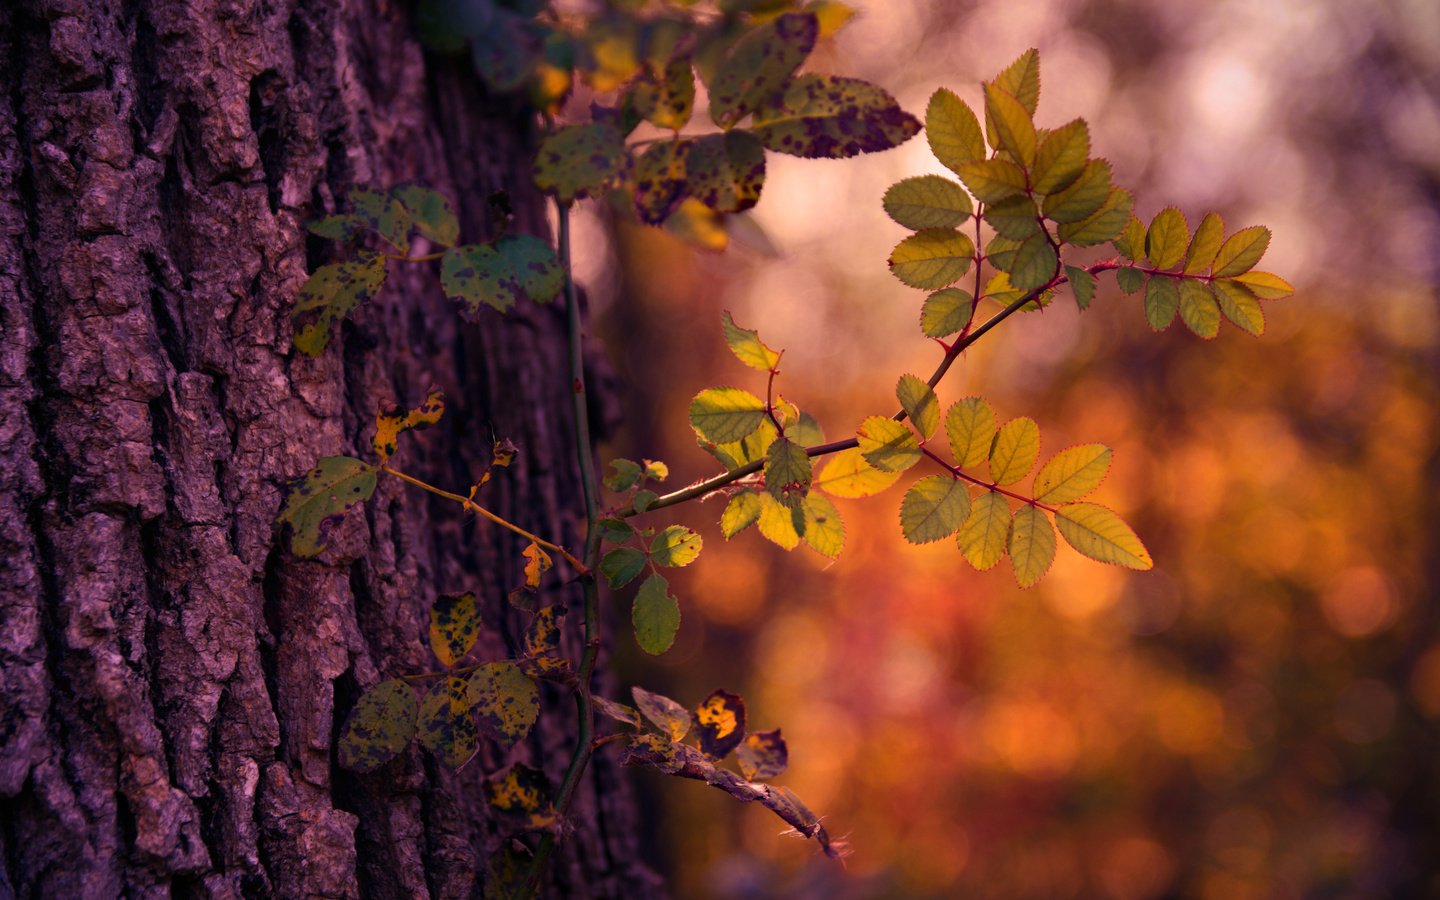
(505, 699)
(830, 117)
(380, 727)
(762, 755)
(720, 723)
(391, 422)
(319, 500)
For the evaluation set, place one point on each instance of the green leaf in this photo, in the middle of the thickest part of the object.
(1032, 545)
(1000, 253)
(1167, 238)
(805, 431)
(340, 227)
(946, 312)
(920, 403)
(787, 472)
(1016, 218)
(1105, 224)
(579, 161)
(454, 626)
(831, 117)
(932, 259)
(934, 508)
(1131, 242)
(1097, 532)
(666, 98)
(1083, 284)
(1021, 79)
(1265, 285)
(1204, 245)
(1017, 444)
(823, 529)
(888, 444)
(726, 414)
(1241, 252)
(1035, 263)
(380, 727)
(740, 513)
(927, 201)
(1013, 130)
(780, 524)
(1198, 309)
(675, 547)
(542, 638)
(1162, 300)
(621, 565)
(626, 474)
(1061, 157)
(615, 531)
(386, 216)
(655, 615)
(762, 755)
(991, 180)
(747, 346)
(1083, 198)
(507, 702)
(1239, 305)
(983, 536)
(642, 500)
(953, 131)
(431, 213)
(1129, 279)
(970, 425)
(720, 723)
(329, 294)
(446, 726)
(673, 720)
(1072, 473)
(759, 66)
(390, 423)
(319, 500)
(726, 171)
(534, 264)
(848, 475)
(660, 180)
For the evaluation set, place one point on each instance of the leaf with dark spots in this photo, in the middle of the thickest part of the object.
(431, 213)
(582, 161)
(537, 563)
(670, 717)
(535, 265)
(665, 96)
(454, 626)
(762, 755)
(507, 702)
(339, 227)
(833, 117)
(654, 750)
(542, 638)
(725, 171)
(477, 275)
(720, 723)
(330, 294)
(759, 65)
(380, 727)
(522, 797)
(548, 668)
(446, 726)
(389, 423)
(319, 500)
(384, 215)
(660, 180)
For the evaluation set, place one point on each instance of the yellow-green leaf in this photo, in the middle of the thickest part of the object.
(1021, 79)
(982, 537)
(1131, 242)
(385, 215)
(725, 171)
(1083, 198)
(991, 180)
(934, 508)
(946, 312)
(581, 160)
(431, 213)
(953, 131)
(927, 201)
(380, 727)
(848, 475)
(1105, 224)
(660, 180)
(970, 425)
(675, 546)
(740, 513)
(1167, 238)
(655, 616)
(832, 117)
(932, 259)
(920, 403)
(1239, 305)
(1035, 263)
(747, 346)
(454, 626)
(329, 295)
(1072, 473)
(1241, 251)
(1097, 532)
(759, 65)
(507, 702)
(1204, 245)
(888, 444)
(1129, 279)
(1032, 545)
(1265, 285)
(670, 717)
(720, 723)
(1162, 301)
(1014, 132)
(1061, 157)
(1016, 446)
(389, 423)
(318, 501)
(516, 267)
(446, 726)
(665, 96)
(1198, 309)
(787, 472)
(780, 524)
(726, 414)
(1015, 217)
(824, 530)
(762, 755)
(621, 565)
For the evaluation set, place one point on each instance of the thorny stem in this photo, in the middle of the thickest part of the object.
(471, 506)
(585, 451)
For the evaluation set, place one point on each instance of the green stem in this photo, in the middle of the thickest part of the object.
(585, 451)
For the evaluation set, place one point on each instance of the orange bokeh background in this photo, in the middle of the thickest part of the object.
(1257, 717)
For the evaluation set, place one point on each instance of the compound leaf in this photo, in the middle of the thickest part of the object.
(1198, 309)
(579, 161)
(787, 472)
(534, 266)
(1016, 218)
(780, 524)
(621, 565)
(1021, 79)
(1204, 245)
(920, 403)
(1265, 285)
(384, 215)
(1011, 126)
(823, 529)
(1034, 263)
(1241, 251)
(1167, 238)
(1097, 532)
(946, 312)
(320, 499)
(330, 293)
(660, 180)
(1105, 224)
(1061, 157)
(655, 615)
(380, 727)
(759, 66)
(740, 513)
(1239, 305)
(431, 213)
(970, 425)
(1162, 301)
(1083, 198)
(507, 701)
(991, 180)
(1083, 284)
(1072, 473)
(1129, 278)
(665, 98)
(934, 508)
(953, 131)
(726, 171)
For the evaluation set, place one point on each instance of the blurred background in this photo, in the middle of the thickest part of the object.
(1258, 716)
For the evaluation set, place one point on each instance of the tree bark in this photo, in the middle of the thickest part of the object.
(173, 681)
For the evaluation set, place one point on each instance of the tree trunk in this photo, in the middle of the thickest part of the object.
(173, 681)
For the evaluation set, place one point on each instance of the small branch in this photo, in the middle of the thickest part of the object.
(428, 257)
(980, 482)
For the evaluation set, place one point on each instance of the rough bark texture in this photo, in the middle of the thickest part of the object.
(173, 682)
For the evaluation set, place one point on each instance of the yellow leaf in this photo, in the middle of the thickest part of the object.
(1097, 532)
(1072, 473)
(1016, 446)
(1032, 545)
(982, 537)
(848, 475)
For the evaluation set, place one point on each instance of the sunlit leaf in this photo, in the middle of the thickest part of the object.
(953, 131)
(725, 171)
(581, 160)
(787, 472)
(1061, 157)
(508, 703)
(521, 797)
(805, 431)
(673, 720)
(446, 726)
(618, 711)
(759, 65)
(1083, 284)
(848, 475)
(1241, 251)
(1097, 532)
(1167, 238)
(983, 536)
(1198, 309)
(1131, 242)
(329, 294)
(1204, 245)
(655, 616)
(933, 509)
(698, 225)
(832, 117)
(946, 312)
(1265, 285)
(780, 524)
(920, 403)
(621, 565)
(675, 546)
(318, 501)
(666, 97)
(726, 414)
(1021, 79)
(1013, 130)
(1017, 444)
(390, 423)
(1083, 198)
(740, 513)
(970, 425)
(1162, 301)
(720, 723)
(762, 755)
(932, 259)
(1239, 305)
(380, 727)
(1035, 263)
(543, 636)
(1032, 545)
(991, 180)
(747, 346)
(927, 201)
(431, 213)
(1072, 473)
(1104, 225)
(888, 444)
(454, 626)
